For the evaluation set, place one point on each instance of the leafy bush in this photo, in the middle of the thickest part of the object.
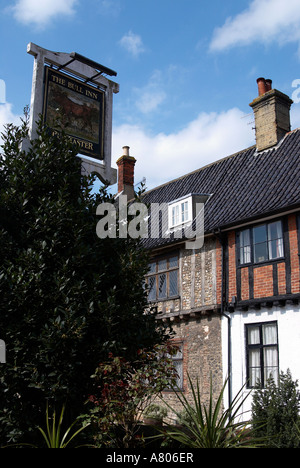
(68, 298)
(275, 412)
(124, 390)
(155, 411)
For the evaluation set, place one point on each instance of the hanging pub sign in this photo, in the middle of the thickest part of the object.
(77, 109)
(75, 95)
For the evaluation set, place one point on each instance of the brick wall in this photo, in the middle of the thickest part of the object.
(293, 240)
(281, 275)
(245, 284)
(202, 358)
(231, 265)
(218, 271)
(274, 278)
(263, 281)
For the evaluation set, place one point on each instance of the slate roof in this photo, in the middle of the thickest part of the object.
(244, 186)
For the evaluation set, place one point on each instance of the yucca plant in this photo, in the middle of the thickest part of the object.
(211, 426)
(53, 436)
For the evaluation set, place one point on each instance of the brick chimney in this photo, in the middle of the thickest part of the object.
(272, 115)
(126, 173)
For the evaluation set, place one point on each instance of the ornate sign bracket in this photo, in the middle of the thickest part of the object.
(91, 75)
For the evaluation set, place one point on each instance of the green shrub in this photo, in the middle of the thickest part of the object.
(68, 298)
(275, 411)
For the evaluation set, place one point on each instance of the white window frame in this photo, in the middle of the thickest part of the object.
(180, 212)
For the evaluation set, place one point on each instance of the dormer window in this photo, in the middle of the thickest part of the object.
(183, 211)
(180, 212)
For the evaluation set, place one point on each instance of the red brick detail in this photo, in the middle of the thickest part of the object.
(245, 284)
(263, 281)
(281, 278)
(293, 239)
(231, 265)
(125, 171)
(218, 271)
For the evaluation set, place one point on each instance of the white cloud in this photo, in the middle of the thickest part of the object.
(110, 7)
(6, 117)
(149, 101)
(149, 97)
(162, 157)
(132, 43)
(40, 12)
(264, 21)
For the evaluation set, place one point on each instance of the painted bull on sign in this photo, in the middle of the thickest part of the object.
(75, 111)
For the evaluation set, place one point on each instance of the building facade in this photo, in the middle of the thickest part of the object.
(234, 301)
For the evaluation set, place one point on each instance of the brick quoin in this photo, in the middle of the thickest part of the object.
(295, 279)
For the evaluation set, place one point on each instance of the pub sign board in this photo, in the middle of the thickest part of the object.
(77, 109)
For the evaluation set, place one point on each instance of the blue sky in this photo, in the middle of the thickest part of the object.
(187, 69)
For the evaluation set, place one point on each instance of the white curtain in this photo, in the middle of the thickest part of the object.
(270, 353)
(245, 256)
(254, 367)
(275, 240)
(271, 363)
(269, 334)
(254, 356)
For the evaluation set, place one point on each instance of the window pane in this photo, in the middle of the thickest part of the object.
(152, 288)
(276, 248)
(270, 356)
(152, 267)
(184, 211)
(245, 237)
(179, 371)
(254, 367)
(255, 377)
(260, 234)
(253, 335)
(173, 283)
(245, 250)
(175, 215)
(269, 334)
(173, 262)
(274, 230)
(178, 364)
(178, 354)
(162, 286)
(271, 372)
(245, 254)
(260, 252)
(162, 265)
(271, 363)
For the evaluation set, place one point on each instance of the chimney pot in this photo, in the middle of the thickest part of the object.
(261, 82)
(126, 150)
(268, 84)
